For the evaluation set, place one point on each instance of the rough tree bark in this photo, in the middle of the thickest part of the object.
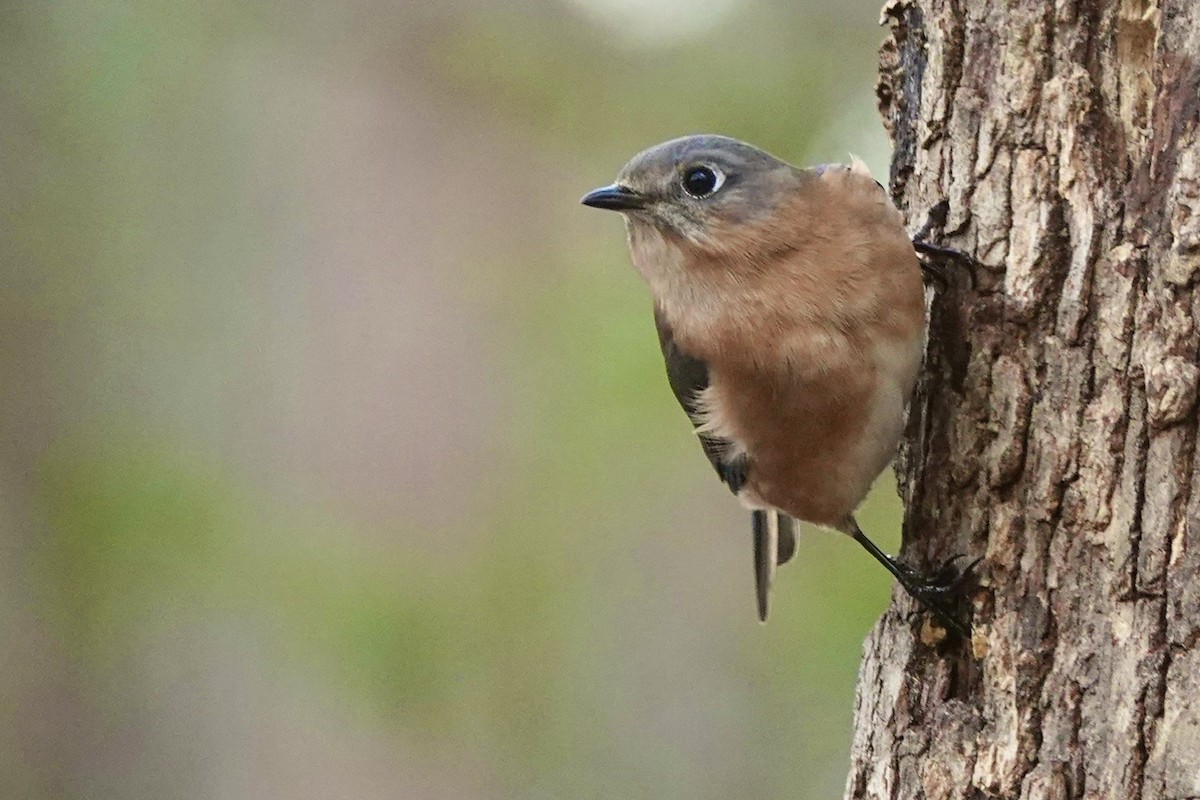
(1055, 428)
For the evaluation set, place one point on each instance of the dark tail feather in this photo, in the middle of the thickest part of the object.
(765, 526)
(787, 539)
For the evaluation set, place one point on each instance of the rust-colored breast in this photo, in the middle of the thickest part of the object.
(816, 348)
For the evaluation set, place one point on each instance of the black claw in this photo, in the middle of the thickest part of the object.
(936, 272)
(965, 574)
(946, 580)
(939, 593)
(940, 590)
(936, 251)
(937, 602)
(936, 219)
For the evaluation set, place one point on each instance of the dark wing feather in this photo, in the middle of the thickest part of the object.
(688, 377)
(774, 532)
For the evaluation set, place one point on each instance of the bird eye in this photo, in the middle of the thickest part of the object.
(702, 181)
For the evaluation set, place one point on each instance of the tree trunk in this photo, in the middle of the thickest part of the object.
(1054, 431)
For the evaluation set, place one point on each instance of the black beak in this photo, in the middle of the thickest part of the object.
(614, 198)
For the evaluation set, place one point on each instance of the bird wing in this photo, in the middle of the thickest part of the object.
(688, 377)
(774, 532)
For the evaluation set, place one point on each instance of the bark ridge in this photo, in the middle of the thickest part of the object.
(1054, 430)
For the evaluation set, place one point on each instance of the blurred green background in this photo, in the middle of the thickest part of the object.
(336, 457)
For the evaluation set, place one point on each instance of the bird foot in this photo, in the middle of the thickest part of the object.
(934, 255)
(940, 590)
(945, 581)
(938, 593)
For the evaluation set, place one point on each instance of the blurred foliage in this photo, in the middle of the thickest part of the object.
(579, 621)
(764, 76)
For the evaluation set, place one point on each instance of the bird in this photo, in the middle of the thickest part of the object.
(790, 309)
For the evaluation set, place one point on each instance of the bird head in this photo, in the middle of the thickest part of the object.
(698, 188)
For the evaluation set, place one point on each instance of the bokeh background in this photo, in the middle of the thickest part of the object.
(336, 457)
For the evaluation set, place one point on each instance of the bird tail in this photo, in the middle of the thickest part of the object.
(774, 544)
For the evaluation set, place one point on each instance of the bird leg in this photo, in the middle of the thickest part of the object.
(932, 592)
